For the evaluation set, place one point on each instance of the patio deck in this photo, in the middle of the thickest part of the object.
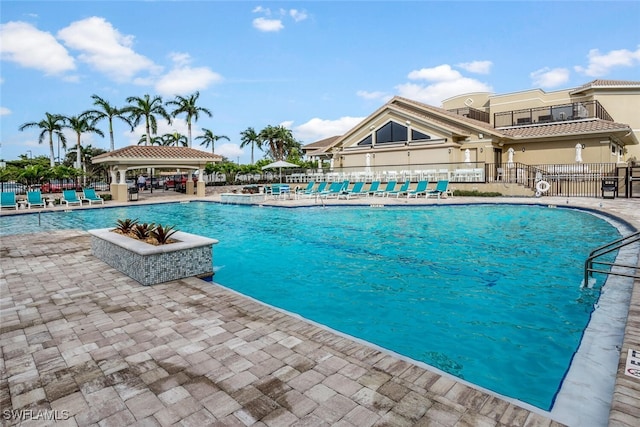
(90, 346)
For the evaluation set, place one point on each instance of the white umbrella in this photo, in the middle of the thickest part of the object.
(579, 153)
(280, 164)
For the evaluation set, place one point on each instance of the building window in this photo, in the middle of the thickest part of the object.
(416, 135)
(391, 132)
(367, 141)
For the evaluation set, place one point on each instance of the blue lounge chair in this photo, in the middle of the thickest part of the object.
(441, 188)
(70, 197)
(402, 190)
(356, 191)
(34, 198)
(89, 194)
(373, 188)
(317, 191)
(307, 190)
(391, 185)
(420, 190)
(335, 189)
(8, 200)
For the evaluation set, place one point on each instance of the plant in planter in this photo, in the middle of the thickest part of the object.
(125, 226)
(143, 231)
(163, 234)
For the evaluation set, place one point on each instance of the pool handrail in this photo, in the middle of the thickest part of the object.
(608, 248)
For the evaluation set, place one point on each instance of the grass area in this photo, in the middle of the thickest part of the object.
(476, 193)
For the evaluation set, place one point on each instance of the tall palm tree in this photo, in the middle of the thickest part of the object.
(51, 125)
(210, 138)
(249, 136)
(82, 124)
(109, 112)
(187, 105)
(147, 108)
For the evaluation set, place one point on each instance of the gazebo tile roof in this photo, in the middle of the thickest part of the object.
(146, 152)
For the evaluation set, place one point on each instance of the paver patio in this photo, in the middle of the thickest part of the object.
(84, 343)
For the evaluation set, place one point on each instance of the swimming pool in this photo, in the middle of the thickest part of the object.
(488, 293)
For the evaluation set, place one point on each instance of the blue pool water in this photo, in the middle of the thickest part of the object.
(488, 293)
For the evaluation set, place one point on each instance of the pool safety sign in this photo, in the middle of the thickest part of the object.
(632, 368)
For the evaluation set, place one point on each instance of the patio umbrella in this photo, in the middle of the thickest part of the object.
(280, 164)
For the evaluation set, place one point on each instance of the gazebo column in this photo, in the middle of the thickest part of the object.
(119, 190)
(200, 186)
(189, 187)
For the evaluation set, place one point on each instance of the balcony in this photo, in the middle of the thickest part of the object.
(552, 114)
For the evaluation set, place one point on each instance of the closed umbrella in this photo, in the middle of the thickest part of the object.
(280, 164)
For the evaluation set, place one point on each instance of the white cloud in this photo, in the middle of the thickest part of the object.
(183, 79)
(105, 49)
(374, 95)
(601, 64)
(440, 73)
(229, 150)
(298, 15)
(445, 82)
(4, 111)
(548, 78)
(260, 9)
(317, 129)
(29, 47)
(478, 67)
(267, 25)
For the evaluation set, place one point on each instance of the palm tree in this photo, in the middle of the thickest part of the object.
(249, 136)
(210, 138)
(148, 108)
(109, 112)
(52, 124)
(175, 138)
(157, 140)
(279, 140)
(188, 106)
(82, 124)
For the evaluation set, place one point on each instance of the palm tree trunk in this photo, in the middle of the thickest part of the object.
(51, 153)
(111, 134)
(78, 155)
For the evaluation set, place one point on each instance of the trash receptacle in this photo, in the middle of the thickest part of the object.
(609, 188)
(133, 194)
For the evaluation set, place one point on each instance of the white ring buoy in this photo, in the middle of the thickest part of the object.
(542, 186)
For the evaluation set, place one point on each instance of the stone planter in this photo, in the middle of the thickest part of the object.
(148, 264)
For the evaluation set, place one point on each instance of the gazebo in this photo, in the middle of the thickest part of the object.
(139, 157)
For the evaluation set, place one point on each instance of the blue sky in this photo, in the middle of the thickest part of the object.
(317, 67)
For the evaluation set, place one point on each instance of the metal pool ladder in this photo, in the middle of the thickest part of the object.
(605, 249)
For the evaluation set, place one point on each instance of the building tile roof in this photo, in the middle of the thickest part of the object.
(601, 84)
(564, 129)
(156, 152)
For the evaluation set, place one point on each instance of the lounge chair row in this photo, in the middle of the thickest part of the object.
(342, 190)
(8, 199)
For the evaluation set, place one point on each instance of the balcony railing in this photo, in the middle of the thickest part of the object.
(552, 114)
(472, 113)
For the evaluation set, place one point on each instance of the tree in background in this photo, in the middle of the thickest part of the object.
(250, 137)
(279, 141)
(82, 124)
(187, 105)
(51, 125)
(210, 138)
(147, 108)
(109, 112)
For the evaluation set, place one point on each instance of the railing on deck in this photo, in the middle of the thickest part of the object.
(551, 114)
